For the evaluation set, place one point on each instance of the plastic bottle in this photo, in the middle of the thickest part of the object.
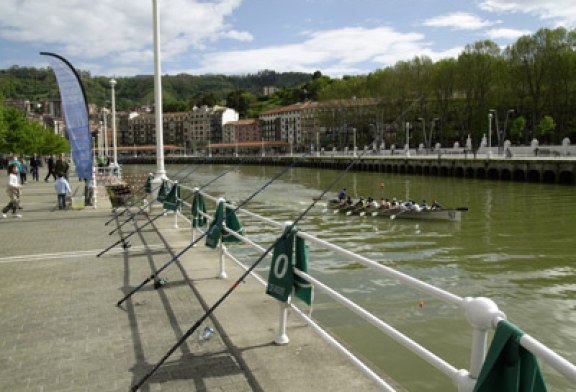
(206, 334)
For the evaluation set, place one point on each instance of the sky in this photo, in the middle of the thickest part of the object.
(337, 37)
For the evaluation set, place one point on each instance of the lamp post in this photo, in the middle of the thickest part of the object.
(115, 148)
(407, 139)
(160, 171)
(105, 116)
(318, 143)
(424, 130)
(100, 138)
(489, 134)
(236, 139)
(354, 131)
(510, 111)
(432, 132)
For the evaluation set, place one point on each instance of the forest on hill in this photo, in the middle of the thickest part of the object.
(528, 87)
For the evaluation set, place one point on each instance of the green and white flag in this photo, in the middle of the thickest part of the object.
(302, 288)
(172, 201)
(163, 191)
(198, 206)
(232, 224)
(281, 276)
(148, 185)
(216, 230)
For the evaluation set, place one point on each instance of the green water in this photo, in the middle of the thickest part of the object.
(514, 245)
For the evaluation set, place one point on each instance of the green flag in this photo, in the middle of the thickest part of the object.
(148, 185)
(302, 288)
(215, 229)
(232, 224)
(163, 191)
(198, 206)
(281, 275)
(172, 200)
(508, 365)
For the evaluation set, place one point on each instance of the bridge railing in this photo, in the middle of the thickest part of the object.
(481, 313)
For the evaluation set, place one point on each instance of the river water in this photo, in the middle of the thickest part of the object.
(514, 245)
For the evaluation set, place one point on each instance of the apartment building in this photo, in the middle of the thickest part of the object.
(246, 130)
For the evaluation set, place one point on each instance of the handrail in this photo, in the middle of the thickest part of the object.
(482, 313)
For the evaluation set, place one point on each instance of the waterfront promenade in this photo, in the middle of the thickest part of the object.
(61, 330)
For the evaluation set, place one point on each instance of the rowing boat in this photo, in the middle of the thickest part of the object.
(445, 214)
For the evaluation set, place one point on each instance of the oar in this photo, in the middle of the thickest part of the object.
(392, 217)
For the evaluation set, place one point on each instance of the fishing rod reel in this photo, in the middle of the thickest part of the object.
(160, 282)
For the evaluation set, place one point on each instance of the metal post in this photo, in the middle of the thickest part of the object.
(407, 139)
(489, 135)
(160, 171)
(115, 148)
(354, 130)
(105, 112)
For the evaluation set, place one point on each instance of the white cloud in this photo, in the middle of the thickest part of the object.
(509, 34)
(458, 21)
(119, 29)
(562, 11)
(335, 52)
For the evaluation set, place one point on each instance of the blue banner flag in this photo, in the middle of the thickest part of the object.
(75, 113)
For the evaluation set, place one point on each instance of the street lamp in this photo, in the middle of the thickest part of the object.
(510, 111)
(354, 131)
(489, 134)
(105, 115)
(112, 84)
(432, 132)
(236, 139)
(423, 130)
(407, 139)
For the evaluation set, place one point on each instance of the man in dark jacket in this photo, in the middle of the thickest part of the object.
(50, 169)
(61, 167)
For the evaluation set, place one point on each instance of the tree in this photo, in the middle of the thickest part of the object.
(546, 127)
(517, 128)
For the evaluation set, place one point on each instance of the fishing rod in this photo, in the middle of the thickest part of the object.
(141, 209)
(163, 211)
(243, 276)
(155, 274)
(155, 189)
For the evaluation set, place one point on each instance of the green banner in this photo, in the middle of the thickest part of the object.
(215, 229)
(198, 206)
(232, 224)
(281, 275)
(509, 366)
(148, 185)
(163, 191)
(172, 201)
(302, 288)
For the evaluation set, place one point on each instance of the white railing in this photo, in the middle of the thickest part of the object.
(482, 313)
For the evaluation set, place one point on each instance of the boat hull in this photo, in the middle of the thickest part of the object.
(445, 214)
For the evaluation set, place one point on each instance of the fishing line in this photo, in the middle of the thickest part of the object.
(244, 275)
(141, 209)
(187, 248)
(155, 189)
(163, 211)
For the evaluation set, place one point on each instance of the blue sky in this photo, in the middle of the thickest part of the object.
(337, 37)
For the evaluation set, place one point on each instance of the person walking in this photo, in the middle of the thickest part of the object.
(61, 167)
(15, 162)
(35, 167)
(23, 172)
(13, 191)
(62, 188)
(50, 169)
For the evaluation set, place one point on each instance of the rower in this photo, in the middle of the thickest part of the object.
(436, 205)
(342, 195)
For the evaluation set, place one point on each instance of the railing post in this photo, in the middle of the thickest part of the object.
(223, 274)
(282, 338)
(482, 314)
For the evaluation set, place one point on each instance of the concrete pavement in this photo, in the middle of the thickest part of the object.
(61, 331)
